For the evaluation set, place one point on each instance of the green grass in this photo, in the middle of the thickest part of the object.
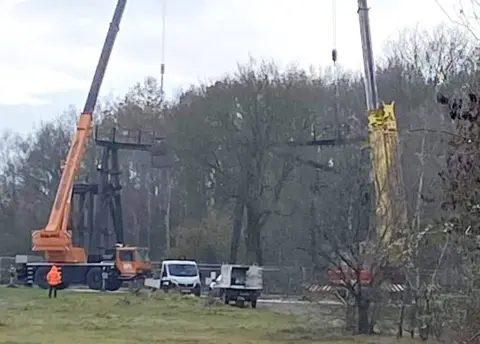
(27, 316)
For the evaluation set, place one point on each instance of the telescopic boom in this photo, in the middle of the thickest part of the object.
(54, 239)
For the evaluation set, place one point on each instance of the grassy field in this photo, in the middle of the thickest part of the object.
(27, 316)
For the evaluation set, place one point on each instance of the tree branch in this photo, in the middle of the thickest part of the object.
(440, 131)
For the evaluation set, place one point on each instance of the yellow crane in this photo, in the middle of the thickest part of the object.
(390, 221)
(391, 211)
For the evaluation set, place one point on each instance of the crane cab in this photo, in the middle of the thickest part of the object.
(132, 261)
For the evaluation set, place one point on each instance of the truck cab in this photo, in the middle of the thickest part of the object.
(132, 261)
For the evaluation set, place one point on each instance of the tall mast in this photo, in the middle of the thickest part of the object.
(371, 92)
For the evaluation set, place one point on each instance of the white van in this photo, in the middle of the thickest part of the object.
(181, 275)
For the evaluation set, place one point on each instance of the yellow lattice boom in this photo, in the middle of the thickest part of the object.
(391, 211)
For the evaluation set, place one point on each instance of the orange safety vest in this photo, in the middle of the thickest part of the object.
(53, 276)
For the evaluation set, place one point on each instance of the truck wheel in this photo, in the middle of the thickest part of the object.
(41, 277)
(254, 302)
(94, 278)
(136, 284)
(113, 283)
(197, 292)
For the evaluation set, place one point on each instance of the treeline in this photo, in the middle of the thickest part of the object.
(246, 186)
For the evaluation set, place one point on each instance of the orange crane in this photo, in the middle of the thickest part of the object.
(55, 240)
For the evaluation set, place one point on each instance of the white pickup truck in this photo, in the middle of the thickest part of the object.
(238, 283)
(179, 275)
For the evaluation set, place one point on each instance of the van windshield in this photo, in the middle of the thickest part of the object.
(186, 270)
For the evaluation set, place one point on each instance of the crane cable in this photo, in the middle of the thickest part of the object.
(334, 32)
(162, 53)
(335, 70)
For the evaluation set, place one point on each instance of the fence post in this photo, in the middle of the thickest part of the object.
(12, 274)
(289, 284)
(304, 273)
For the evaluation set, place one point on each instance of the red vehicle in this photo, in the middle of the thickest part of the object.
(338, 275)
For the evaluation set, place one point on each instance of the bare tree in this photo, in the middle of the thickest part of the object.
(435, 55)
(460, 212)
(357, 255)
(465, 13)
(243, 127)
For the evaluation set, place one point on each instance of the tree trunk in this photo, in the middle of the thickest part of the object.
(350, 317)
(402, 318)
(254, 253)
(150, 215)
(236, 230)
(258, 247)
(168, 201)
(313, 249)
(363, 308)
(252, 241)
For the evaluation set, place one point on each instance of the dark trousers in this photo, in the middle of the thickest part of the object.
(52, 288)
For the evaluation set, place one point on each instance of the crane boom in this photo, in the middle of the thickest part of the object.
(371, 92)
(104, 57)
(54, 239)
(391, 212)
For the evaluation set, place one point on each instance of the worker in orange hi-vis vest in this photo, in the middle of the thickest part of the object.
(54, 279)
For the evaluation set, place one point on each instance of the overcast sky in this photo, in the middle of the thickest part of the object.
(49, 48)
